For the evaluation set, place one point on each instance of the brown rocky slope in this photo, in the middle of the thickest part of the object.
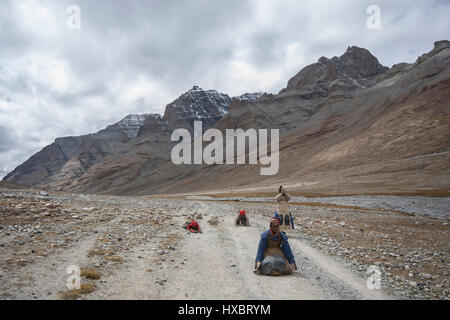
(347, 125)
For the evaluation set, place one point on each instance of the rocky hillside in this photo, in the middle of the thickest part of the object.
(385, 132)
(69, 158)
(365, 130)
(78, 152)
(347, 125)
(356, 67)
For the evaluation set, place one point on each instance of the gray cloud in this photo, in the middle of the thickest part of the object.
(137, 56)
(7, 140)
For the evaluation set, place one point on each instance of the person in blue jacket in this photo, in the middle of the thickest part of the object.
(274, 255)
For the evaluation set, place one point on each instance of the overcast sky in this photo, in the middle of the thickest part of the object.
(137, 56)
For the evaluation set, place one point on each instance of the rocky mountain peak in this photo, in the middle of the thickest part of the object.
(194, 89)
(249, 97)
(441, 45)
(438, 47)
(359, 63)
(196, 104)
(131, 124)
(197, 99)
(353, 68)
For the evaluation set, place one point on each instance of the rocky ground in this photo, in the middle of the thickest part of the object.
(412, 252)
(135, 248)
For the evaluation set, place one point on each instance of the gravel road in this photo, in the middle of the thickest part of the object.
(140, 251)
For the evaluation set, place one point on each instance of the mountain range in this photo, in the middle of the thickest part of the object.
(348, 125)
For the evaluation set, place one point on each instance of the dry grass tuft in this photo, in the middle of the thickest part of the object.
(214, 221)
(114, 259)
(100, 252)
(73, 294)
(90, 273)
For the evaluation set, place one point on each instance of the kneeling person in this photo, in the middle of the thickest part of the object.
(242, 219)
(193, 227)
(274, 255)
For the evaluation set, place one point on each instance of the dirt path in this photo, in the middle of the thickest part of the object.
(161, 260)
(223, 261)
(220, 266)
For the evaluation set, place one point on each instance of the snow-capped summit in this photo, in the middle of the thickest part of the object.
(198, 97)
(250, 97)
(131, 124)
(197, 104)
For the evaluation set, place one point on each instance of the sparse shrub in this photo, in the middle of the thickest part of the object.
(114, 259)
(90, 273)
(73, 294)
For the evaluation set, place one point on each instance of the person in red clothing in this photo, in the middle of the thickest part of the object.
(242, 219)
(193, 226)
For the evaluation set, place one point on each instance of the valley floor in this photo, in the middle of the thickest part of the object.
(138, 249)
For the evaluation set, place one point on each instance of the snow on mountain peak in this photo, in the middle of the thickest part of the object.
(131, 123)
(195, 104)
(250, 97)
(201, 103)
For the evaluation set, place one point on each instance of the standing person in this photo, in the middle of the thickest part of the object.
(283, 213)
(274, 255)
